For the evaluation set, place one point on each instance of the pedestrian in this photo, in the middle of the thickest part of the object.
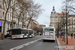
(74, 35)
(71, 35)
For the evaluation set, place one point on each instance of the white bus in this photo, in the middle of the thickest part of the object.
(48, 33)
(19, 33)
(31, 33)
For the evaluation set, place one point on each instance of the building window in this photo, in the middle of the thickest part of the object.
(8, 16)
(54, 24)
(72, 26)
(12, 1)
(69, 27)
(3, 3)
(74, 23)
(69, 20)
(74, 19)
(3, 14)
(54, 18)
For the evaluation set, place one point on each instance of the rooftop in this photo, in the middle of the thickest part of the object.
(61, 13)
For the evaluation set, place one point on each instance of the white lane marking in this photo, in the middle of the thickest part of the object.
(23, 45)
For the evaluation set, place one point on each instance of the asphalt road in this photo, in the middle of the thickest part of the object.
(35, 43)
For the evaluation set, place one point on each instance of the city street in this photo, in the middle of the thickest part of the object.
(35, 43)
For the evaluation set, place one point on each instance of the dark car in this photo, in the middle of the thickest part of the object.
(8, 34)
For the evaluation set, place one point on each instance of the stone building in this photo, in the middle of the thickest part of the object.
(33, 24)
(8, 16)
(71, 23)
(58, 20)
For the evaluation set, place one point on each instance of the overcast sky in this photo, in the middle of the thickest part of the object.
(47, 5)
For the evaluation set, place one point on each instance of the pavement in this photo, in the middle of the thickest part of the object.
(71, 43)
(35, 43)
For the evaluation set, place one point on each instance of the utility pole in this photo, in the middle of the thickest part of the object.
(66, 25)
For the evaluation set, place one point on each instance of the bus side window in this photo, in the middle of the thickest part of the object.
(22, 32)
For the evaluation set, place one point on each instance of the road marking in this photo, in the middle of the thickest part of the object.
(23, 45)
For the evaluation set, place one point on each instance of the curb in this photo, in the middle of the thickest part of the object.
(59, 45)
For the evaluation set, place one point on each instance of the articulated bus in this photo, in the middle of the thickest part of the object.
(48, 33)
(19, 33)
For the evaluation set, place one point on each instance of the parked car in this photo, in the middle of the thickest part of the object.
(8, 34)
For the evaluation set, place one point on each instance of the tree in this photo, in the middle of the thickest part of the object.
(24, 6)
(28, 8)
(38, 29)
(33, 12)
(13, 11)
(70, 6)
(66, 8)
(7, 4)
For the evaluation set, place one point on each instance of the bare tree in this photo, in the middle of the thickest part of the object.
(7, 4)
(70, 6)
(34, 12)
(24, 6)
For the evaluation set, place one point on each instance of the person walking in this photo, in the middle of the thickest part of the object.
(71, 35)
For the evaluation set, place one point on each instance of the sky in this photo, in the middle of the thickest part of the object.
(47, 5)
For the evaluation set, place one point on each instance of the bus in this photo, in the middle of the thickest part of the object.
(31, 33)
(19, 33)
(49, 33)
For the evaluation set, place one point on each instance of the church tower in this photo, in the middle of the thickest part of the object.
(53, 18)
(53, 10)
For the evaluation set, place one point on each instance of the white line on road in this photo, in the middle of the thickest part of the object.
(23, 45)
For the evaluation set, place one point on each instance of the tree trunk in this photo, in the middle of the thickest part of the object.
(5, 19)
(19, 18)
(12, 18)
(29, 21)
(18, 22)
(23, 21)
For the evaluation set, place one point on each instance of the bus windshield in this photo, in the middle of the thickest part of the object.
(49, 29)
(16, 31)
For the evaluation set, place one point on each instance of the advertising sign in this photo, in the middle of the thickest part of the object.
(0, 23)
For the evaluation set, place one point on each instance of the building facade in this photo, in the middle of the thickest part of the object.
(53, 18)
(58, 20)
(8, 24)
(33, 24)
(71, 23)
(13, 17)
(41, 26)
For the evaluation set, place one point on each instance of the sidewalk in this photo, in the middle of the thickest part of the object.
(71, 43)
